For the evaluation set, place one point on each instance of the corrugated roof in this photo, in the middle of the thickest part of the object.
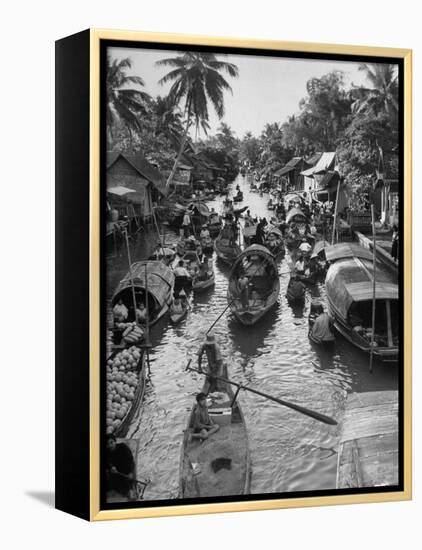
(120, 190)
(326, 162)
(293, 164)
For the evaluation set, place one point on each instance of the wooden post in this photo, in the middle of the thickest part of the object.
(146, 336)
(335, 214)
(130, 273)
(374, 260)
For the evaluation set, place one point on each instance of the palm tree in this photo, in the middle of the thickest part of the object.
(168, 119)
(124, 103)
(383, 96)
(197, 80)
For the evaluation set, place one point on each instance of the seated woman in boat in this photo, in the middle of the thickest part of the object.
(321, 330)
(202, 424)
(205, 234)
(141, 313)
(177, 306)
(120, 468)
(120, 312)
(203, 271)
(305, 247)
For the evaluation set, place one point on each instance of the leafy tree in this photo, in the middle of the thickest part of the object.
(125, 104)
(250, 149)
(382, 96)
(323, 116)
(197, 81)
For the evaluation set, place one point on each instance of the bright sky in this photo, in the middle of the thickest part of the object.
(267, 90)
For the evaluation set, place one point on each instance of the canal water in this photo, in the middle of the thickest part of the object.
(289, 451)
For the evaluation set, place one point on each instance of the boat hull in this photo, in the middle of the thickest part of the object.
(234, 438)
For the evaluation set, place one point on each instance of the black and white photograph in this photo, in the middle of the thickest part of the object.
(252, 316)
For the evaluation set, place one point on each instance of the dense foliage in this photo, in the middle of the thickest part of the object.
(355, 122)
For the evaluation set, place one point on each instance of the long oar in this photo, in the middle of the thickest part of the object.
(303, 410)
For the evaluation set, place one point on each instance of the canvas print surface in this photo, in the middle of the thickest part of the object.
(252, 315)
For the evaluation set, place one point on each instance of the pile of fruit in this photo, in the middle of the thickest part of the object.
(133, 334)
(122, 382)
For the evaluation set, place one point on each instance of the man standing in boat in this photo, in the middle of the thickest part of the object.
(214, 357)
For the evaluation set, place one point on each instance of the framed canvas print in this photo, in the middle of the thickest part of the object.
(233, 280)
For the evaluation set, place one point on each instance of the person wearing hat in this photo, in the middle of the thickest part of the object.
(213, 353)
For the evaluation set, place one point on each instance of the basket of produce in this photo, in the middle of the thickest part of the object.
(125, 378)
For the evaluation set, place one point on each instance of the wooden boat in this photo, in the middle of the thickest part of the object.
(136, 493)
(140, 371)
(202, 471)
(176, 317)
(295, 215)
(149, 276)
(259, 266)
(349, 288)
(238, 197)
(226, 246)
(200, 285)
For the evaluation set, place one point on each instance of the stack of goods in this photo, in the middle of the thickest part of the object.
(122, 382)
(132, 334)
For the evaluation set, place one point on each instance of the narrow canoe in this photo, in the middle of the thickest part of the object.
(219, 466)
(200, 286)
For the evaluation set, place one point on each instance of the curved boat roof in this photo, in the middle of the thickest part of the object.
(255, 249)
(294, 212)
(319, 247)
(351, 280)
(159, 277)
(347, 250)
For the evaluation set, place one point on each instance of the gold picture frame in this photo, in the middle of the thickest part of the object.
(95, 511)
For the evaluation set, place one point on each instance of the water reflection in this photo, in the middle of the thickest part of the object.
(290, 452)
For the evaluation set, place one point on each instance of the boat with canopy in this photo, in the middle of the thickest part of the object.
(150, 282)
(254, 284)
(350, 295)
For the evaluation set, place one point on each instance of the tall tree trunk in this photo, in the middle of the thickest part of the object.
(182, 144)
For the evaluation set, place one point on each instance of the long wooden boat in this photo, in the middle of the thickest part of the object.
(259, 266)
(202, 285)
(200, 473)
(226, 245)
(176, 317)
(139, 370)
(149, 276)
(349, 288)
(114, 495)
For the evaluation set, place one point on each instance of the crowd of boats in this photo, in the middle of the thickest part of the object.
(253, 247)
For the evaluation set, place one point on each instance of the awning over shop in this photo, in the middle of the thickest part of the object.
(326, 162)
(119, 190)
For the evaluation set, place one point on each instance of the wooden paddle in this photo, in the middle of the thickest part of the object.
(303, 410)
